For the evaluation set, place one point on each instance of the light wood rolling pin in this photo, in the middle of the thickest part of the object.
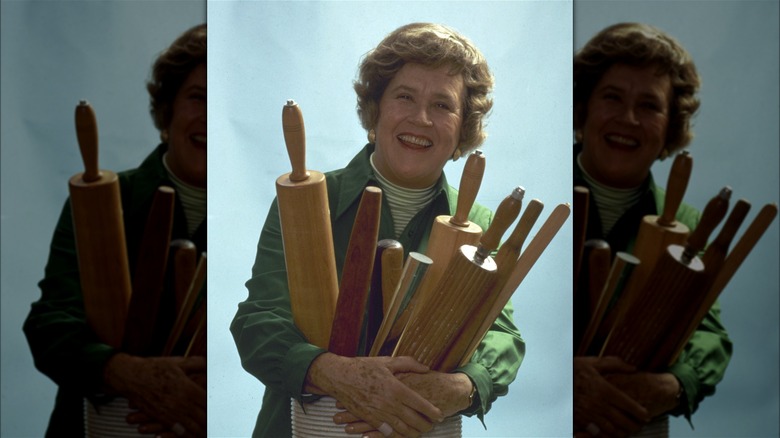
(356, 275)
(470, 275)
(449, 233)
(415, 268)
(523, 266)
(597, 257)
(726, 270)
(149, 275)
(304, 216)
(377, 302)
(642, 324)
(656, 233)
(99, 229)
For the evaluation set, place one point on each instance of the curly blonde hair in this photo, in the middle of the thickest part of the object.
(432, 45)
(641, 45)
(171, 69)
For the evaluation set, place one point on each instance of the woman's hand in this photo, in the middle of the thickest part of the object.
(448, 392)
(368, 388)
(601, 408)
(169, 392)
(657, 392)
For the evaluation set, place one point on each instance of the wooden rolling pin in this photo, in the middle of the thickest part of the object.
(186, 313)
(728, 268)
(470, 275)
(149, 276)
(99, 229)
(581, 203)
(597, 256)
(356, 275)
(656, 233)
(644, 323)
(451, 232)
(387, 251)
(523, 266)
(304, 216)
(184, 258)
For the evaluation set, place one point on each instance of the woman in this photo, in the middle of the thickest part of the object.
(422, 96)
(634, 95)
(169, 392)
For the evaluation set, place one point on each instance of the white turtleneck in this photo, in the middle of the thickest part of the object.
(612, 202)
(193, 199)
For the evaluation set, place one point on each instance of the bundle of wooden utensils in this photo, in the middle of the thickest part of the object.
(644, 307)
(435, 307)
(130, 314)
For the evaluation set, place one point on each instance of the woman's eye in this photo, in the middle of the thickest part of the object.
(443, 106)
(404, 97)
(198, 96)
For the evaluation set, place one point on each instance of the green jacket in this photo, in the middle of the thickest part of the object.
(703, 362)
(274, 350)
(63, 346)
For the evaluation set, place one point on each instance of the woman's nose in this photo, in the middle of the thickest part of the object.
(421, 116)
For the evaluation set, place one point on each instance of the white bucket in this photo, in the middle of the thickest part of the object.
(317, 422)
(109, 420)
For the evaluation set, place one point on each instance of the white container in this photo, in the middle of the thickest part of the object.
(109, 420)
(317, 422)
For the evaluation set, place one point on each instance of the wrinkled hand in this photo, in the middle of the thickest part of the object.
(165, 390)
(596, 401)
(368, 388)
(657, 392)
(448, 392)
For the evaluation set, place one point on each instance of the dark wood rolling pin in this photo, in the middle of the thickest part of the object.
(304, 216)
(149, 275)
(99, 229)
(356, 275)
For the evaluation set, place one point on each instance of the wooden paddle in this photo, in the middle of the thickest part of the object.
(356, 275)
(304, 215)
(98, 225)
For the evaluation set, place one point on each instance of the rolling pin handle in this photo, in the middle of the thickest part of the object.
(470, 181)
(713, 213)
(87, 135)
(506, 213)
(295, 139)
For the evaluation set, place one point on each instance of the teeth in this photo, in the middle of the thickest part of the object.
(415, 140)
(622, 140)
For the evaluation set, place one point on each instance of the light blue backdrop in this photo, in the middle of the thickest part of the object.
(735, 47)
(263, 53)
(53, 54)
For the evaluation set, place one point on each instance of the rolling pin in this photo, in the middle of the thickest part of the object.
(643, 324)
(387, 251)
(99, 229)
(597, 256)
(470, 275)
(186, 310)
(523, 266)
(304, 216)
(449, 233)
(184, 257)
(656, 233)
(149, 276)
(581, 203)
(356, 275)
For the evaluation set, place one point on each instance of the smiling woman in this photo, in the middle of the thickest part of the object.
(423, 93)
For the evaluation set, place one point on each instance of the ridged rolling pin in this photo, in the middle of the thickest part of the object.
(656, 232)
(304, 216)
(356, 275)
(99, 229)
(149, 275)
(643, 324)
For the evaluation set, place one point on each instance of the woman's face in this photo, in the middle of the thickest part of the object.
(625, 127)
(187, 131)
(420, 115)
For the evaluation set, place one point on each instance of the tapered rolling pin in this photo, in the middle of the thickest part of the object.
(376, 298)
(643, 324)
(581, 201)
(304, 216)
(149, 276)
(451, 232)
(99, 229)
(470, 275)
(184, 255)
(415, 268)
(523, 266)
(729, 266)
(505, 261)
(356, 275)
(185, 313)
(597, 256)
(656, 233)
